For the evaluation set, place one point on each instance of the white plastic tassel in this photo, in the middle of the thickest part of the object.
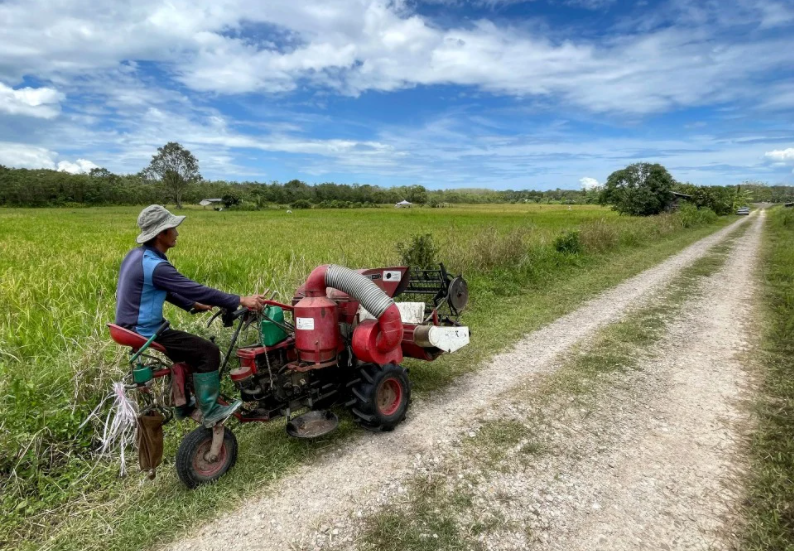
(120, 424)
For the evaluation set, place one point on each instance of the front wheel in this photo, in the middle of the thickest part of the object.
(192, 466)
(381, 397)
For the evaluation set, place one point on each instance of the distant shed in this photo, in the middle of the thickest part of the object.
(677, 198)
(208, 202)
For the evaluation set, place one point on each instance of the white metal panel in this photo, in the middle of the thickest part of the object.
(410, 312)
(448, 339)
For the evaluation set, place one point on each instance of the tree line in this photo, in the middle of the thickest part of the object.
(20, 187)
(173, 176)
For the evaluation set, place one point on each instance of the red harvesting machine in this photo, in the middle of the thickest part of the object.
(340, 342)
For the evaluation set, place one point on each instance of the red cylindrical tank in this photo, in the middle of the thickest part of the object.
(316, 330)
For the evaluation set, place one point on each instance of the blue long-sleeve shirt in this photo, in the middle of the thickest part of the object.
(147, 280)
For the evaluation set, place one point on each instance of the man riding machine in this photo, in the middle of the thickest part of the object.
(147, 280)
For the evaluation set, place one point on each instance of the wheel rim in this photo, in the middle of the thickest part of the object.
(202, 467)
(389, 396)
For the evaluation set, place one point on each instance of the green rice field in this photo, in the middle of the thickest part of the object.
(526, 265)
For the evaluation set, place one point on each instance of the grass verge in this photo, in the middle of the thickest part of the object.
(770, 501)
(126, 514)
(505, 444)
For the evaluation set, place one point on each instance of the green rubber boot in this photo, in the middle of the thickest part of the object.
(207, 387)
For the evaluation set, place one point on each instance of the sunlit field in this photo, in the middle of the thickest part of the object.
(58, 270)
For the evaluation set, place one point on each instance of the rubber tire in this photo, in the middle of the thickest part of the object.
(365, 411)
(191, 445)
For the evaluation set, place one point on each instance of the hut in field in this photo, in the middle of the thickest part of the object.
(403, 205)
(677, 199)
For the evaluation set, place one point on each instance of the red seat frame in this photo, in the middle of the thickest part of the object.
(125, 337)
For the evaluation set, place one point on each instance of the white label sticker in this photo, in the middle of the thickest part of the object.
(392, 275)
(305, 323)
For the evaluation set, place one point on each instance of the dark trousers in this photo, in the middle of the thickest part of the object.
(200, 354)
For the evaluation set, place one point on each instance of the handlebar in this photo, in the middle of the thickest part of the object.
(228, 317)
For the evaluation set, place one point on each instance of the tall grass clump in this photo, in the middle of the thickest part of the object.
(770, 500)
(488, 248)
(599, 236)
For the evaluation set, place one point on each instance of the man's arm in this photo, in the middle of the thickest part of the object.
(167, 278)
(179, 301)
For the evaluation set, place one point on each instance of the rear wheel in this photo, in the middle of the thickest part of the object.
(192, 466)
(381, 397)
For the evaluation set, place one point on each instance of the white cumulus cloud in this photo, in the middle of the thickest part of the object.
(355, 46)
(44, 103)
(78, 167)
(18, 155)
(781, 155)
(588, 183)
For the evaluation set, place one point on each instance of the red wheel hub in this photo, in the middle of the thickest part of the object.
(204, 468)
(389, 396)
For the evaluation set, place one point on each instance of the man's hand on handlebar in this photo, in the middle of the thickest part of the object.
(198, 307)
(253, 302)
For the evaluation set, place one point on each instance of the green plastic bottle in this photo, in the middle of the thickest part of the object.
(272, 333)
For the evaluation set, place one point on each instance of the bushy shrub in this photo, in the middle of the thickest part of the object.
(301, 204)
(230, 200)
(690, 216)
(568, 242)
(245, 205)
(419, 252)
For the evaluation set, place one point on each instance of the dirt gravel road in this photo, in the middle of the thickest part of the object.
(340, 483)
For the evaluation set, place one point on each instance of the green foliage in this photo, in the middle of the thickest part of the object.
(418, 252)
(301, 204)
(231, 199)
(691, 216)
(640, 189)
(568, 242)
(176, 168)
(42, 188)
(770, 500)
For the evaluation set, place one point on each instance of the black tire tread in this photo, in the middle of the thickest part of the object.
(364, 410)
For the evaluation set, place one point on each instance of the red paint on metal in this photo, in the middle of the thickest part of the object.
(391, 327)
(389, 396)
(364, 344)
(319, 341)
(241, 373)
(125, 337)
(204, 468)
(279, 304)
(315, 283)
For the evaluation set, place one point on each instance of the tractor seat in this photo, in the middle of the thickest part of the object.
(125, 337)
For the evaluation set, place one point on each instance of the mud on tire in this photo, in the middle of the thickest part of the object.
(381, 396)
(191, 466)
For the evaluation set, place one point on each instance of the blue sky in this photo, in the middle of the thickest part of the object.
(443, 93)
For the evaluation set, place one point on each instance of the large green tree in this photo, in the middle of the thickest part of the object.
(640, 189)
(176, 168)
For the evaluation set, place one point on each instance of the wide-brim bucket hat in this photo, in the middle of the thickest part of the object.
(154, 219)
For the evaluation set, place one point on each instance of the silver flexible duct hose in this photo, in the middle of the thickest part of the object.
(361, 288)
